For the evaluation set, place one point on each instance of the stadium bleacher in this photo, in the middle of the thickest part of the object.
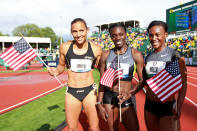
(138, 38)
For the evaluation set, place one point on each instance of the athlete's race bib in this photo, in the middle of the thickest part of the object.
(154, 67)
(124, 67)
(81, 65)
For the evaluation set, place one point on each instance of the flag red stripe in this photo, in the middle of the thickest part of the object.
(162, 84)
(172, 94)
(110, 76)
(13, 58)
(19, 54)
(25, 62)
(22, 57)
(156, 76)
(158, 82)
(168, 93)
(107, 74)
(173, 85)
(6, 52)
(16, 56)
(168, 85)
(107, 77)
(9, 54)
(27, 57)
(117, 75)
(167, 82)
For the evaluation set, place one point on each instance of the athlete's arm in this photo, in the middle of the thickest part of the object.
(182, 92)
(139, 61)
(102, 68)
(61, 66)
(97, 52)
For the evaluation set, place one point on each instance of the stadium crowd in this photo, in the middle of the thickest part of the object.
(185, 44)
(135, 38)
(138, 38)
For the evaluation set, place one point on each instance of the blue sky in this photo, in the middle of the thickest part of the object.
(58, 14)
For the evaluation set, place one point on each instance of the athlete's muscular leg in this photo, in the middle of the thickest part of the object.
(73, 109)
(167, 123)
(89, 104)
(113, 115)
(129, 118)
(151, 121)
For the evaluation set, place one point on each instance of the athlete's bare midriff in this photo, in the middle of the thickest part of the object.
(125, 86)
(79, 80)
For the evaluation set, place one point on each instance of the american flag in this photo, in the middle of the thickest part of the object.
(167, 82)
(112, 73)
(18, 55)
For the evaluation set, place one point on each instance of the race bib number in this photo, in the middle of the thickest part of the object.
(81, 65)
(154, 67)
(124, 67)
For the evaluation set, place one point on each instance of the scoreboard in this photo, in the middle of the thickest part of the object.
(182, 18)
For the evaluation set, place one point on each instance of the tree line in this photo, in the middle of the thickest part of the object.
(32, 30)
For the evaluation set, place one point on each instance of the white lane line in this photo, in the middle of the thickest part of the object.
(192, 73)
(29, 100)
(191, 101)
(189, 71)
(191, 77)
(185, 97)
(191, 84)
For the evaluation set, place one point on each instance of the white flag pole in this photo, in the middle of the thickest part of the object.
(43, 62)
(120, 109)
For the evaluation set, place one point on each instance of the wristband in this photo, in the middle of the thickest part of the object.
(97, 103)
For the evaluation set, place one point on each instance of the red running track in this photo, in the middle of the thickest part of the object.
(188, 116)
(17, 89)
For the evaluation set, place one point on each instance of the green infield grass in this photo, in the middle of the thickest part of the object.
(43, 114)
(12, 71)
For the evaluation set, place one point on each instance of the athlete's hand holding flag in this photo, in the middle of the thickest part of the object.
(112, 74)
(167, 82)
(20, 54)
